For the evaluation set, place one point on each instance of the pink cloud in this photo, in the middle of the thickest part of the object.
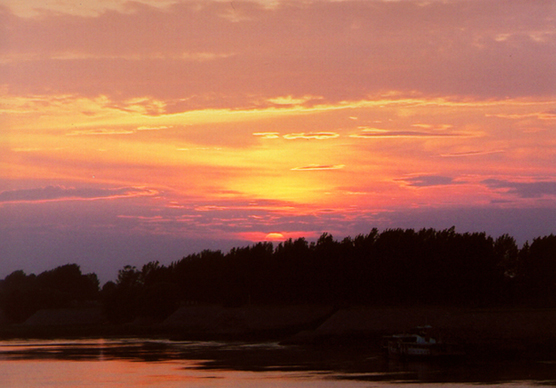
(194, 54)
(534, 189)
(100, 132)
(61, 193)
(267, 135)
(383, 133)
(319, 167)
(202, 87)
(311, 135)
(470, 153)
(428, 180)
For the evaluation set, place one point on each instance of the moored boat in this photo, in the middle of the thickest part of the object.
(420, 345)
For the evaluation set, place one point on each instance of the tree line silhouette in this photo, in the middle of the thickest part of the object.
(392, 267)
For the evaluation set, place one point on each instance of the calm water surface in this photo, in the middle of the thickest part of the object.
(161, 363)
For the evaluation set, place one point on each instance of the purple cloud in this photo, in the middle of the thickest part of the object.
(428, 180)
(57, 193)
(523, 189)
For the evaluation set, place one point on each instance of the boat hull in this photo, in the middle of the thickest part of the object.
(422, 351)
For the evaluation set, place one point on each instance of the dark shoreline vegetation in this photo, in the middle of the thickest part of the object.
(465, 283)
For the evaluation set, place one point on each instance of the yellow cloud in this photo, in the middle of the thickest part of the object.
(152, 128)
(102, 131)
(386, 133)
(290, 100)
(311, 135)
(267, 135)
(319, 167)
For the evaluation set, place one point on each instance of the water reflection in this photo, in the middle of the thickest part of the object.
(138, 362)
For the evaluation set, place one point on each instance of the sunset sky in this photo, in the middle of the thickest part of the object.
(133, 131)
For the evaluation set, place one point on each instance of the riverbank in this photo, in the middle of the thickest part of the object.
(511, 333)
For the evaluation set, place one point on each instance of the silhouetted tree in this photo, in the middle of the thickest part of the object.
(122, 301)
(69, 284)
(507, 256)
(63, 286)
(390, 267)
(539, 271)
(18, 296)
(200, 276)
(158, 300)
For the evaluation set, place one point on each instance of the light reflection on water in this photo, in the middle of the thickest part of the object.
(161, 363)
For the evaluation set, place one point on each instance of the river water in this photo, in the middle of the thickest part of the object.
(161, 363)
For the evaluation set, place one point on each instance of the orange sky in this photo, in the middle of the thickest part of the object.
(206, 124)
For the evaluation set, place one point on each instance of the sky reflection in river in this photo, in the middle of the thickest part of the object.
(160, 363)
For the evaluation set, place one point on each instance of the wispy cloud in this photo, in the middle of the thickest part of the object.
(192, 50)
(319, 167)
(470, 153)
(371, 133)
(311, 135)
(33, 8)
(428, 180)
(267, 135)
(61, 193)
(290, 100)
(549, 115)
(144, 105)
(27, 149)
(153, 128)
(199, 149)
(100, 132)
(36, 149)
(430, 126)
(523, 189)
(242, 113)
(80, 56)
(298, 135)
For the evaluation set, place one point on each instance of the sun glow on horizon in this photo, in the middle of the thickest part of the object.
(189, 120)
(275, 236)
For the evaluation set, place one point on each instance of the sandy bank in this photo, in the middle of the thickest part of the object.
(494, 323)
(67, 317)
(244, 320)
(512, 332)
(520, 332)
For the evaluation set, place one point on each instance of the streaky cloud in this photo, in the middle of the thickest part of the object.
(290, 100)
(319, 167)
(152, 128)
(470, 153)
(371, 133)
(267, 135)
(523, 189)
(428, 180)
(26, 149)
(100, 132)
(549, 115)
(263, 53)
(34, 8)
(74, 56)
(60, 193)
(311, 135)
